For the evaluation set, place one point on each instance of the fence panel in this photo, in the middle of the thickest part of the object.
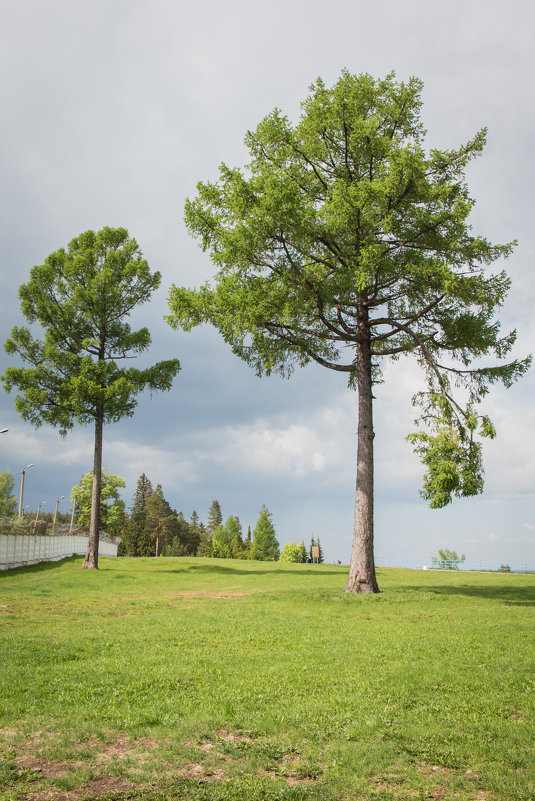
(19, 550)
(466, 565)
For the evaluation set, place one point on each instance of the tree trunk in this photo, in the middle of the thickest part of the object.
(91, 557)
(362, 568)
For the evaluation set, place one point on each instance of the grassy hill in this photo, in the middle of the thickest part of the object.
(201, 679)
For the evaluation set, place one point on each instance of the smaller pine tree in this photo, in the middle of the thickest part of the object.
(215, 518)
(264, 537)
(220, 543)
(320, 555)
(204, 547)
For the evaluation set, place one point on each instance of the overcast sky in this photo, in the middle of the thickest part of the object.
(113, 110)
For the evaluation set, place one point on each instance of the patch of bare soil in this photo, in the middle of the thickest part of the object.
(441, 792)
(96, 788)
(435, 770)
(207, 594)
(120, 749)
(7, 733)
(46, 768)
(196, 770)
(229, 737)
(98, 756)
(289, 768)
(292, 770)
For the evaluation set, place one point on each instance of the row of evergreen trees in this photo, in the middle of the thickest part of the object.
(153, 528)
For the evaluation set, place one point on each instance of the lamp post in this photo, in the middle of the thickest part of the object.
(56, 514)
(22, 487)
(39, 509)
(73, 511)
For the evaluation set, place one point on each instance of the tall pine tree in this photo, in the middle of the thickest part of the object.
(136, 541)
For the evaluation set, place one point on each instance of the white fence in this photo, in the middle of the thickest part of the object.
(18, 550)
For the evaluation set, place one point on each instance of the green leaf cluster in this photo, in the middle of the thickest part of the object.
(293, 552)
(81, 297)
(264, 537)
(447, 559)
(8, 501)
(112, 509)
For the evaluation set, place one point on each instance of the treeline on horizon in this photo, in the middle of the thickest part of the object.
(153, 528)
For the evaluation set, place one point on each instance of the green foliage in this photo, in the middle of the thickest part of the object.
(292, 552)
(215, 518)
(136, 541)
(344, 241)
(227, 541)
(504, 569)
(195, 531)
(111, 506)
(204, 547)
(8, 501)
(160, 521)
(264, 539)
(81, 297)
(77, 373)
(448, 560)
(234, 533)
(220, 542)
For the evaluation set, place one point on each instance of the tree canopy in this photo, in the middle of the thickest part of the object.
(293, 552)
(79, 371)
(345, 243)
(112, 509)
(8, 501)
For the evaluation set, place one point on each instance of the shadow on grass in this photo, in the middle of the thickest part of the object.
(40, 567)
(513, 596)
(229, 570)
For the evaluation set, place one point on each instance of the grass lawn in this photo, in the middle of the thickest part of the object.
(212, 680)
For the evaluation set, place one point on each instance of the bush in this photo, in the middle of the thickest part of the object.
(292, 552)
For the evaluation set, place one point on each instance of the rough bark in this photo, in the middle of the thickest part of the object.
(91, 557)
(362, 568)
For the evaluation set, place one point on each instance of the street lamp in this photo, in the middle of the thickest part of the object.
(72, 515)
(39, 509)
(22, 487)
(56, 514)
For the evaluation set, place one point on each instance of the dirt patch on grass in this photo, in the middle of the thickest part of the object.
(93, 756)
(46, 768)
(120, 749)
(207, 594)
(8, 733)
(96, 788)
(435, 770)
(196, 770)
(233, 748)
(230, 737)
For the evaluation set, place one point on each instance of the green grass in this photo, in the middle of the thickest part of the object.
(207, 679)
